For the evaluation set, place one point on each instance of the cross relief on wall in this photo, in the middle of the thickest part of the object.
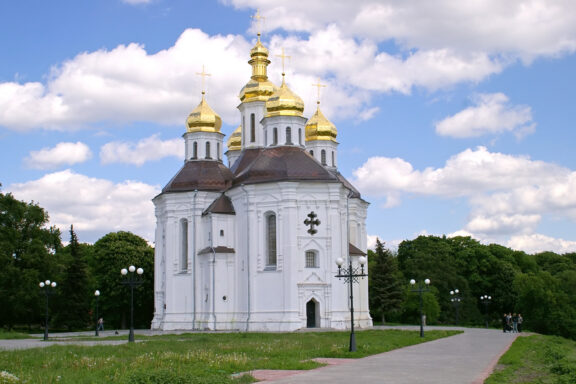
(312, 221)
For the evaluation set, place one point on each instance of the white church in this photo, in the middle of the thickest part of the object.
(252, 246)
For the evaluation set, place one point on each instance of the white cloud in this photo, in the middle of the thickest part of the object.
(509, 195)
(517, 28)
(148, 149)
(442, 44)
(61, 154)
(466, 174)
(490, 114)
(371, 241)
(94, 206)
(535, 243)
(503, 224)
(128, 84)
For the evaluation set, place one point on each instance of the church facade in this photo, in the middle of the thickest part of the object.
(252, 246)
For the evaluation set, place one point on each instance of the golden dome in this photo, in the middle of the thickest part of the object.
(284, 102)
(319, 127)
(235, 140)
(259, 88)
(203, 119)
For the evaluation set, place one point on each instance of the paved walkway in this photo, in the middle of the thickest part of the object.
(467, 358)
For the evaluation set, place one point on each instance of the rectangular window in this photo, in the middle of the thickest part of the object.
(311, 259)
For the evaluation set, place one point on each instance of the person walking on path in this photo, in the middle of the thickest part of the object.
(515, 323)
(100, 324)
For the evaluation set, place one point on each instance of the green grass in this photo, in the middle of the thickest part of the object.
(537, 359)
(197, 358)
(5, 335)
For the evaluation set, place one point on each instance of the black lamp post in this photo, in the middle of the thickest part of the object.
(47, 291)
(351, 276)
(132, 281)
(97, 295)
(421, 289)
(485, 299)
(455, 298)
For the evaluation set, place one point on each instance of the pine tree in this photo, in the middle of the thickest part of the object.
(386, 291)
(76, 298)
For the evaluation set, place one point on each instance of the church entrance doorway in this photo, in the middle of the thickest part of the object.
(312, 320)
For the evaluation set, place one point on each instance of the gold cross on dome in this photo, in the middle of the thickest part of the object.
(204, 75)
(259, 21)
(283, 56)
(318, 85)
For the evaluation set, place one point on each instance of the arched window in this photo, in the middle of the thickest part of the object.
(300, 136)
(208, 150)
(252, 128)
(288, 135)
(333, 162)
(218, 151)
(183, 245)
(311, 259)
(323, 157)
(195, 150)
(275, 136)
(271, 240)
(311, 153)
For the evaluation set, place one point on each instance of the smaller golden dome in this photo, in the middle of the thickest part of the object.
(284, 102)
(203, 119)
(319, 127)
(258, 88)
(259, 50)
(235, 140)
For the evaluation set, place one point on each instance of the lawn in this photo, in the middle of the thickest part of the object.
(195, 358)
(537, 359)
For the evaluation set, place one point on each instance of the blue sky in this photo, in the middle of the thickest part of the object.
(454, 119)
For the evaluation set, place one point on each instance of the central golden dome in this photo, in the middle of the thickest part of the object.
(259, 88)
(203, 119)
(319, 127)
(284, 102)
(235, 140)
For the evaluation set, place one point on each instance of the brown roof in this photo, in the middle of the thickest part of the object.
(355, 251)
(222, 205)
(217, 250)
(202, 175)
(353, 191)
(260, 165)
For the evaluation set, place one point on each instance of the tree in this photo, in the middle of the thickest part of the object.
(76, 293)
(385, 285)
(113, 252)
(28, 255)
